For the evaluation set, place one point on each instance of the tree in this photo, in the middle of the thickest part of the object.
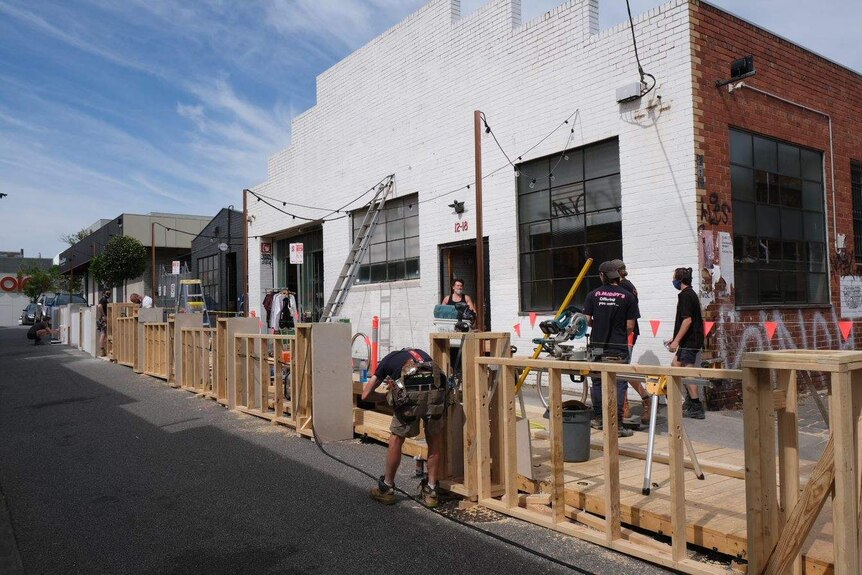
(40, 281)
(124, 258)
(73, 239)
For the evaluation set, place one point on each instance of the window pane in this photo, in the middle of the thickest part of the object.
(604, 227)
(770, 287)
(395, 250)
(740, 148)
(394, 211)
(379, 234)
(791, 192)
(768, 221)
(745, 249)
(568, 200)
(378, 272)
(378, 254)
(412, 268)
(411, 247)
(538, 295)
(567, 231)
(791, 224)
(814, 227)
(411, 226)
(816, 259)
(535, 206)
(788, 161)
(602, 159)
(571, 170)
(364, 275)
(818, 288)
(765, 154)
(394, 230)
(411, 208)
(568, 262)
(534, 171)
(536, 266)
(603, 193)
(794, 256)
(812, 165)
(794, 287)
(743, 218)
(812, 196)
(769, 253)
(746, 287)
(604, 252)
(536, 236)
(396, 271)
(742, 183)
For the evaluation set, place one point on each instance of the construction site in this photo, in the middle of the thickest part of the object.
(525, 161)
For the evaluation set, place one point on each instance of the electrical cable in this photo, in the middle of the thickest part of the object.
(485, 532)
(637, 58)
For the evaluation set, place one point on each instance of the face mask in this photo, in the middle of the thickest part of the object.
(677, 284)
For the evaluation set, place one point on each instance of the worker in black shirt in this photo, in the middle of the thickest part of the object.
(636, 385)
(687, 336)
(39, 330)
(611, 311)
(416, 392)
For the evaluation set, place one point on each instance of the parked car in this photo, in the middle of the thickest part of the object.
(47, 301)
(28, 314)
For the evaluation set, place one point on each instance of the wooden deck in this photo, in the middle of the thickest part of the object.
(715, 506)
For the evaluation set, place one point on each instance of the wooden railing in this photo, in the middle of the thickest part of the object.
(126, 340)
(557, 515)
(116, 311)
(780, 516)
(158, 349)
(264, 381)
(198, 356)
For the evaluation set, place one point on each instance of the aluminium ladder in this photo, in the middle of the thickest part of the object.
(357, 250)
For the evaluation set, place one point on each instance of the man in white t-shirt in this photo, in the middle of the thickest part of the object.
(145, 302)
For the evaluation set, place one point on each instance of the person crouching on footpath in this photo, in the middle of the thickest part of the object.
(416, 392)
(39, 330)
(687, 337)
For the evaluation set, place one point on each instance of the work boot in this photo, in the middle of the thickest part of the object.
(621, 431)
(695, 411)
(429, 495)
(383, 493)
(647, 403)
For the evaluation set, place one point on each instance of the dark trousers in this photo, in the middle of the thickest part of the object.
(596, 394)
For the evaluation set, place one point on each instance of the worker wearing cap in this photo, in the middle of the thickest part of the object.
(612, 312)
(636, 385)
(416, 392)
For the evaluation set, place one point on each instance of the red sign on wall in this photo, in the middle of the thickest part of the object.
(13, 284)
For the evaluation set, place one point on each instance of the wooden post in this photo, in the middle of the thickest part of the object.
(483, 432)
(480, 239)
(788, 451)
(506, 390)
(846, 501)
(558, 481)
(610, 424)
(675, 433)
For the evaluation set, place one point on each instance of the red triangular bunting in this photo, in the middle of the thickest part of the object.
(770, 328)
(654, 323)
(846, 327)
(517, 328)
(533, 318)
(707, 327)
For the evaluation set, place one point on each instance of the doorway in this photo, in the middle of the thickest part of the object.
(306, 279)
(232, 280)
(458, 260)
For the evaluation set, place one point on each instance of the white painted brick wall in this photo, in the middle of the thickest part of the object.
(404, 104)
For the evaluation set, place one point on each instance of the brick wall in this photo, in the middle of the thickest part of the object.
(795, 74)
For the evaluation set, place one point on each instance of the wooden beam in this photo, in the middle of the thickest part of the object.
(506, 388)
(845, 503)
(610, 425)
(677, 471)
(788, 452)
(621, 369)
(558, 485)
(803, 515)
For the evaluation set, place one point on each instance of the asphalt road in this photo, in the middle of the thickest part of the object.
(106, 471)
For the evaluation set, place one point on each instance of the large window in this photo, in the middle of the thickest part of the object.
(568, 210)
(394, 250)
(209, 274)
(856, 189)
(779, 229)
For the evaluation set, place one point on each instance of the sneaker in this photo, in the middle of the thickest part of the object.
(429, 496)
(625, 432)
(647, 403)
(695, 411)
(383, 493)
(621, 432)
(596, 423)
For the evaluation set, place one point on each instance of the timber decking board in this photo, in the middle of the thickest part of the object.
(715, 506)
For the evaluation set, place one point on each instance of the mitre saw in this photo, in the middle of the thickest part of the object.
(568, 325)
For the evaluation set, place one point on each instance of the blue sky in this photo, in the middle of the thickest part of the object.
(111, 106)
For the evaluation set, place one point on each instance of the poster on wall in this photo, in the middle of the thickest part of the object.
(851, 297)
(724, 284)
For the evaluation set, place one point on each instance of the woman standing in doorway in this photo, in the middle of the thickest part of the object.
(458, 295)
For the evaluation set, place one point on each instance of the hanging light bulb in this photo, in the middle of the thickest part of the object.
(552, 177)
(517, 172)
(566, 157)
(532, 184)
(283, 203)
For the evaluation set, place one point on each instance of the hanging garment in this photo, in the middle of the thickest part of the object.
(277, 304)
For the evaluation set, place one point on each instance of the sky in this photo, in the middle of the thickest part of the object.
(138, 106)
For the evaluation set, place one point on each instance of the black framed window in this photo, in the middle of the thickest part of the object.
(779, 226)
(393, 253)
(208, 270)
(569, 209)
(856, 189)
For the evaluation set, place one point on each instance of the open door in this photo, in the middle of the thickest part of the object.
(458, 260)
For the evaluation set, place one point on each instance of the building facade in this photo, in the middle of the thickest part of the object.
(12, 298)
(734, 181)
(171, 234)
(217, 259)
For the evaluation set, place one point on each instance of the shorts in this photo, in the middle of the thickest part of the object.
(31, 335)
(406, 426)
(687, 356)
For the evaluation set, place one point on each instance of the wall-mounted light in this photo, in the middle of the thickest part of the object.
(739, 69)
(457, 206)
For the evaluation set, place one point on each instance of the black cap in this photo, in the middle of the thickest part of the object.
(610, 270)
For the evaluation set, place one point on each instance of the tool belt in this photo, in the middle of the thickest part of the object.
(422, 392)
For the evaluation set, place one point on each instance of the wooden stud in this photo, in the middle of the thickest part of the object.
(677, 471)
(483, 432)
(845, 501)
(610, 425)
(506, 390)
(788, 452)
(555, 408)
